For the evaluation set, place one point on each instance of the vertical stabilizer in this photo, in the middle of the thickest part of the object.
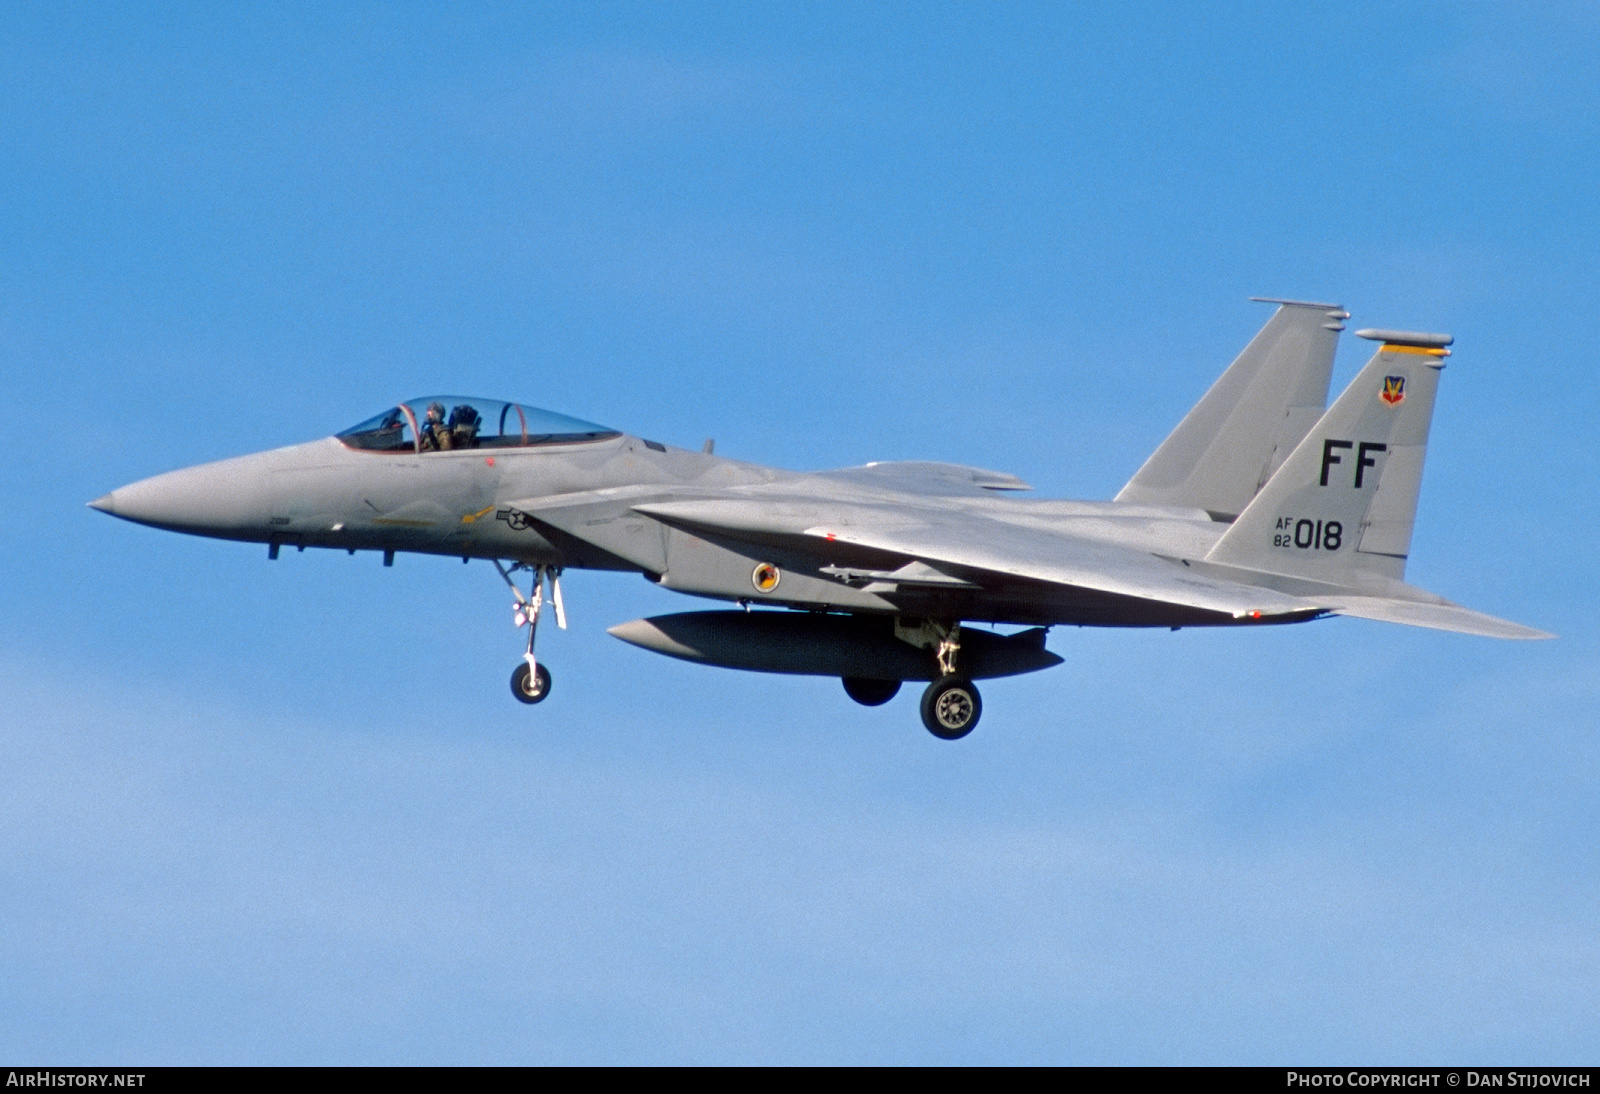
(1344, 502)
(1251, 419)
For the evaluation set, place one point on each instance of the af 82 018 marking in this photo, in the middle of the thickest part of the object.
(1307, 534)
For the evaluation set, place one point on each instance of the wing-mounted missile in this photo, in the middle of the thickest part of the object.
(814, 644)
(914, 575)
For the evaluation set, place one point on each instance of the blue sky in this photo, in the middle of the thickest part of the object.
(288, 812)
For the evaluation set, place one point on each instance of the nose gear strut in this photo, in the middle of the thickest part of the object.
(530, 682)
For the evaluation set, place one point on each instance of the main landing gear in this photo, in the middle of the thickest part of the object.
(951, 705)
(530, 681)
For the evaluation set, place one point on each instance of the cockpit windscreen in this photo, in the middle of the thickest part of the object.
(445, 423)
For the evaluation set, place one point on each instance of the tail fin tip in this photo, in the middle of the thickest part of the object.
(1408, 339)
(1300, 304)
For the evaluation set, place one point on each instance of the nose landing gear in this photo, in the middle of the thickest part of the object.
(530, 681)
(530, 686)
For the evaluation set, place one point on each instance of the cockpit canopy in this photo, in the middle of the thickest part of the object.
(442, 423)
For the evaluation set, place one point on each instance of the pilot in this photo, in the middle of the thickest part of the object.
(464, 427)
(436, 435)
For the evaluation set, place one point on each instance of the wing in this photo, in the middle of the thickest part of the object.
(931, 543)
(979, 548)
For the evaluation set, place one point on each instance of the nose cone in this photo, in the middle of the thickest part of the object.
(229, 499)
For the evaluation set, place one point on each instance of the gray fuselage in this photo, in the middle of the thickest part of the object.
(574, 505)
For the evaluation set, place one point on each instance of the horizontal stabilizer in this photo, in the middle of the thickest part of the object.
(1441, 617)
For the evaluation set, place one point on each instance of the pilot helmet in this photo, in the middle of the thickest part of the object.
(435, 412)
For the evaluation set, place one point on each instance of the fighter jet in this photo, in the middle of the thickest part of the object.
(1260, 508)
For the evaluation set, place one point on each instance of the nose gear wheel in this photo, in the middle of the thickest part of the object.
(530, 686)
